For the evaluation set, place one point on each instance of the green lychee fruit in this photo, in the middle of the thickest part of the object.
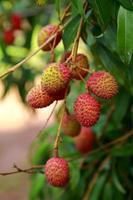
(57, 172)
(56, 78)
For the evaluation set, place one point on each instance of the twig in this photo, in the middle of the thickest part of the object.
(51, 113)
(94, 179)
(30, 170)
(107, 145)
(81, 77)
(65, 13)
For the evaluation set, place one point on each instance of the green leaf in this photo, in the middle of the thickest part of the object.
(117, 182)
(122, 151)
(125, 34)
(128, 4)
(70, 32)
(98, 187)
(78, 5)
(107, 194)
(75, 174)
(104, 10)
(57, 5)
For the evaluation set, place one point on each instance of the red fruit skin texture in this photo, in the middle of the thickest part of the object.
(16, 20)
(85, 141)
(45, 33)
(57, 172)
(87, 110)
(56, 78)
(8, 36)
(60, 96)
(102, 84)
(37, 98)
(70, 126)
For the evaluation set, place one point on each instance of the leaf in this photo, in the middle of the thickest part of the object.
(98, 187)
(117, 182)
(107, 194)
(70, 32)
(104, 10)
(75, 174)
(57, 5)
(125, 34)
(128, 4)
(122, 151)
(78, 5)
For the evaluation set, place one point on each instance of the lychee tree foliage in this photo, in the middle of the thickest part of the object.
(95, 162)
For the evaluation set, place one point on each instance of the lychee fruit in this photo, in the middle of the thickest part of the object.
(65, 56)
(62, 94)
(8, 36)
(70, 125)
(45, 33)
(85, 141)
(16, 20)
(87, 109)
(57, 172)
(102, 84)
(38, 98)
(56, 78)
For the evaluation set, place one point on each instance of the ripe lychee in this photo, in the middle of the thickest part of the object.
(56, 78)
(87, 109)
(62, 94)
(16, 20)
(85, 141)
(70, 125)
(8, 36)
(57, 172)
(45, 33)
(38, 98)
(102, 84)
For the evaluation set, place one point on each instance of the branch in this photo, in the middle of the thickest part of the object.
(30, 170)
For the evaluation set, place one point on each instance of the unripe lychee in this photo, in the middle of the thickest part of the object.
(70, 125)
(56, 78)
(8, 36)
(45, 33)
(85, 141)
(16, 20)
(102, 84)
(57, 172)
(87, 109)
(38, 98)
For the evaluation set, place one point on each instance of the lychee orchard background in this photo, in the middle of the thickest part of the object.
(106, 173)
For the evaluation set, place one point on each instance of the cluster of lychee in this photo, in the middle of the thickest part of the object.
(15, 24)
(55, 85)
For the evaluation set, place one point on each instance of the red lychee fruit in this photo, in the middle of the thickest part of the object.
(57, 172)
(102, 84)
(85, 141)
(56, 78)
(16, 20)
(8, 36)
(65, 56)
(38, 98)
(62, 94)
(70, 125)
(87, 110)
(45, 33)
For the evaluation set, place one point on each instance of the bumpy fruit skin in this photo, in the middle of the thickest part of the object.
(8, 36)
(55, 78)
(70, 125)
(16, 20)
(57, 172)
(38, 98)
(47, 32)
(87, 109)
(102, 84)
(85, 141)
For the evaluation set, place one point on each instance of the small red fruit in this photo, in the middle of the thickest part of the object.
(102, 84)
(56, 78)
(87, 109)
(8, 36)
(57, 172)
(85, 141)
(37, 98)
(16, 20)
(70, 125)
(45, 33)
